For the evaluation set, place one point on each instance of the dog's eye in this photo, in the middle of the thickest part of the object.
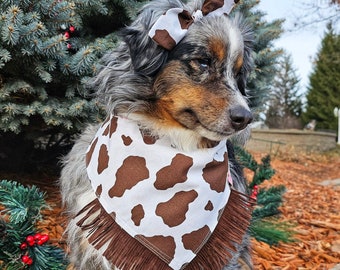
(204, 63)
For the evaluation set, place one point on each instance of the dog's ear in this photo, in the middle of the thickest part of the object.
(146, 56)
(248, 41)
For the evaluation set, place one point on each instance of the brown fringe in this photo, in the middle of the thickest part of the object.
(127, 253)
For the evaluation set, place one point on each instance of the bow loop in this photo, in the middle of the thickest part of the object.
(171, 27)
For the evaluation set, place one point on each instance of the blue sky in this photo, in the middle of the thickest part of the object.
(303, 45)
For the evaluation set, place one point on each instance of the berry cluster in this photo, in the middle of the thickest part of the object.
(254, 193)
(30, 241)
(68, 34)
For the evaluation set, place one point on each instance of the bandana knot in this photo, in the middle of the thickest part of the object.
(172, 26)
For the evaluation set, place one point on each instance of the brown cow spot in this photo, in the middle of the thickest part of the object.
(193, 241)
(176, 172)
(137, 214)
(162, 36)
(99, 190)
(107, 119)
(90, 152)
(111, 128)
(209, 206)
(166, 244)
(185, 19)
(103, 159)
(132, 171)
(126, 140)
(211, 5)
(215, 173)
(148, 139)
(173, 211)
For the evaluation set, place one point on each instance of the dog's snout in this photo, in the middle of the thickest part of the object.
(240, 117)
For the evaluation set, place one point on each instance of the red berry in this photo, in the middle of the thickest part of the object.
(29, 238)
(44, 238)
(29, 261)
(69, 46)
(31, 243)
(25, 258)
(40, 242)
(23, 246)
(37, 236)
(72, 28)
(67, 35)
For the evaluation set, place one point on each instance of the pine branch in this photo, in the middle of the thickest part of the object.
(22, 204)
(271, 232)
(20, 244)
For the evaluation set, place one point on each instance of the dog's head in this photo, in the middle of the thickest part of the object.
(196, 91)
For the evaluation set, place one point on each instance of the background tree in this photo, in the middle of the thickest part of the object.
(284, 105)
(316, 12)
(265, 53)
(324, 88)
(48, 49)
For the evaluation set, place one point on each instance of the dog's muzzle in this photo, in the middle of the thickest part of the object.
(240, 117)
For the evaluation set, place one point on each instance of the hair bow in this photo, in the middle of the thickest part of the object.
(171, 27)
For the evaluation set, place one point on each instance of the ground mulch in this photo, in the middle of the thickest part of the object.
(311, 209)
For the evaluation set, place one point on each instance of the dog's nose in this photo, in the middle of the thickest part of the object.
(240, 117)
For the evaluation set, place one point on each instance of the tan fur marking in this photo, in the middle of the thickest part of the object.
(218, 48)
(238, 64)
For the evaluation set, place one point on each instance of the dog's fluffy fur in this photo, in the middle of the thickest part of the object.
(193, 94)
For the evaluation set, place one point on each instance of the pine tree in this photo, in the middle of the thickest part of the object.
(324, 86)
(48, 49)
(265, 54)
(285, 104)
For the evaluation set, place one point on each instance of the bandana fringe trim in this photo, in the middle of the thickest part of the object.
(126, 252)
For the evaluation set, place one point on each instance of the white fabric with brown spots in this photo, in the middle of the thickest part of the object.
(172, 26)
(168, 200)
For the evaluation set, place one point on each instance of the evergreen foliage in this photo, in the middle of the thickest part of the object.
(265, 54)
(285, 104)
(264, 227)
(48, 49)
(324, 89)
(21, 208)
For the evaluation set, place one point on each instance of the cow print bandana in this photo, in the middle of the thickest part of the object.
(168, 200)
